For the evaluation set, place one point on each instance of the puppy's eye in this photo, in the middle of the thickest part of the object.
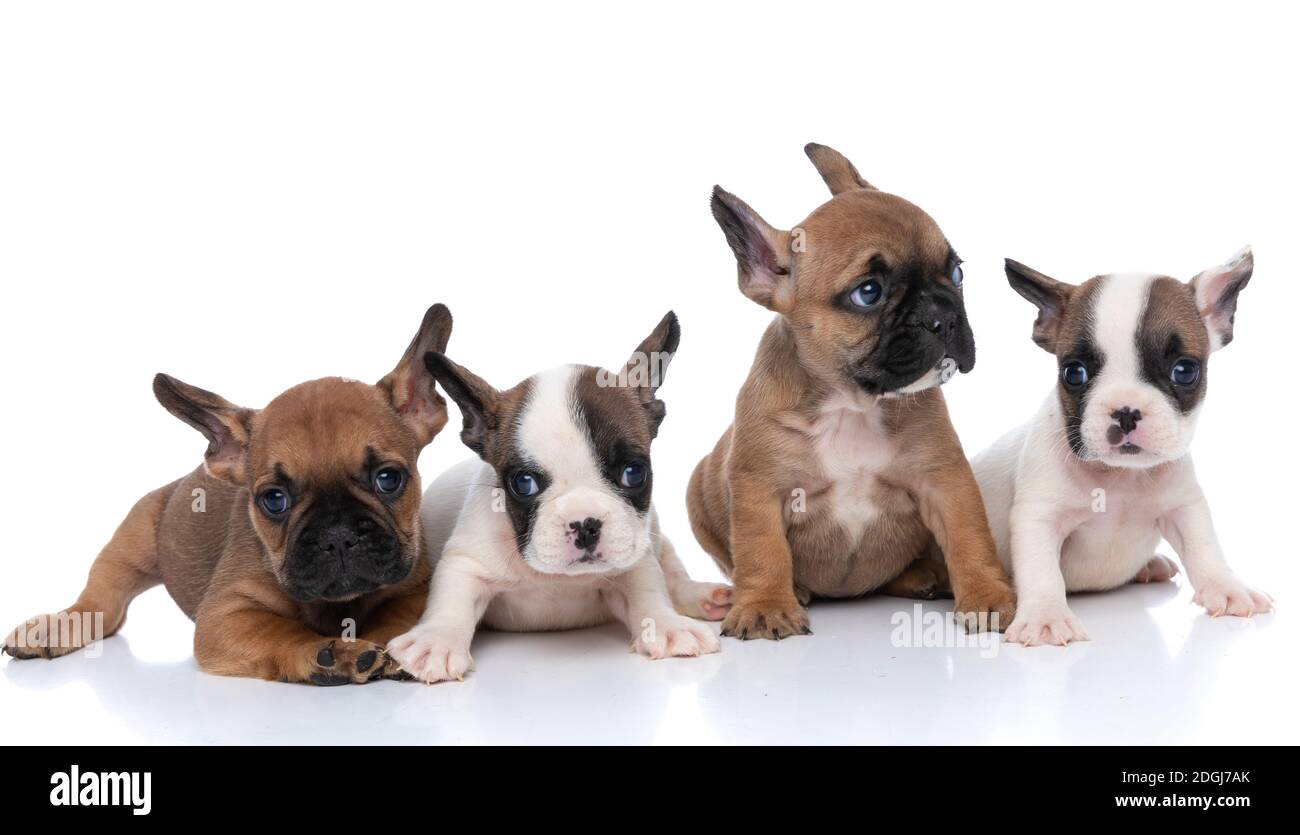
(957, 276)
(633, 476)
(1185, 372)
(525, 485)
(867, 293)
(388, 480)
(1074, 374)
(274, 501)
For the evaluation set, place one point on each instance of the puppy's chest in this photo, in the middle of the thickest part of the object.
(851, 452)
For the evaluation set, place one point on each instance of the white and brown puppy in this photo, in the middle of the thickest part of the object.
(554, 528)
(1080, 497)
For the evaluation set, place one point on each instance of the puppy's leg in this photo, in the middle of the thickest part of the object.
(766, 606)
(1190, 531)
(1159, 569)
(710, 601)
(437, 648)
(249, 631)
(953, 510)
(1043, 616)
(127, 566)
(639, 598)
(395, 616)
(924, 579)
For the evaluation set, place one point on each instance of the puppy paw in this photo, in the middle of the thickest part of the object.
(51, 636)
(431, 656)
(1226, 595)
(1158, 570)
(709, 601)
(1045, 624)
(924, 579)
(991, 608)
(676, 638)
(350, 662)
(770, 619)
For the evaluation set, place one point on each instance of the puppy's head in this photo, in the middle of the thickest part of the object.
(869, 284)
(330, 469)
(571, 450)
(1133, 352)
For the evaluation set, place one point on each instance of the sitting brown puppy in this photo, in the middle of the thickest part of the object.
(842, 472)
(296, 547)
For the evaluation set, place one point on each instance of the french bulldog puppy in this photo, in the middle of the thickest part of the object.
(1080, 497)
(301, 526)
(554, 528)
(842, 474)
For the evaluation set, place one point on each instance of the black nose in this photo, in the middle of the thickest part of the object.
(586, 533)
(1127, 418)
(339, 540)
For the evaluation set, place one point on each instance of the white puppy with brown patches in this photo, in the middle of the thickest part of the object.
(1079, 498)
(554, 528)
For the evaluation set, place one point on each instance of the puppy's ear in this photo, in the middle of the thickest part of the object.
(835, 168)
(227, 427)
(1048, 295)
(645, 369)
(1216, 295)
(762, 252)
(477, 400)
(410, 386)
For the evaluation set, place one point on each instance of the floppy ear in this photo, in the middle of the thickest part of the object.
(835, 168)
(477, 400)
(762, 252)
(1048, 295)
(1216, 295)
(227, 427)
(645, 369)
(410, 386)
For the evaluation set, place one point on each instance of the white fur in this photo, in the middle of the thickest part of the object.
(1064, 523)
(480, 575)
(852, 449)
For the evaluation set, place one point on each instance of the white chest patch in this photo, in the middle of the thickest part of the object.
(852, 450)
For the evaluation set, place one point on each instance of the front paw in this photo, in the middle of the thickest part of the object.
(350, 662)
(431, 655)
(770, 619)
(676, 638)
(51, 636)
(1051, 623)
(991, 608)
(1226, 595)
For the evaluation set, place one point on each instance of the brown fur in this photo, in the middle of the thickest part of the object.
(740, 495)
(224, 565)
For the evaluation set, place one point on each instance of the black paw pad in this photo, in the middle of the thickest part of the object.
(366, 660)
(325, 657)
(329, 679)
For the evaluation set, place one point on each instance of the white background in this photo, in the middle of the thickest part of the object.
(247, 195)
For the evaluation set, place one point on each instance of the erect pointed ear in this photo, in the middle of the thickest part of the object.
(477, 400)
(1048, 295)
(410, 386)
(762, 252)
(835, 168)
(1216, 295)
(227, 427)
(646, 367)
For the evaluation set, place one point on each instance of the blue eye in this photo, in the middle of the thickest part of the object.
(1185, 372)
(957, 275)
(274, 501)
(389, 480)
(1074, 374)
(867, 293)
(633, 476)
(524, 485)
